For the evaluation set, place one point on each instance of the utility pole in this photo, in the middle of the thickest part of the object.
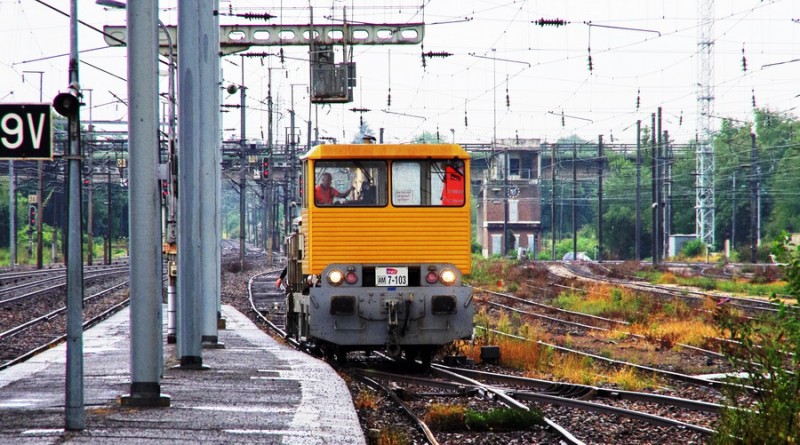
(733, 212)
(667, 193)
(600, 161)
(574, 201)
(90, 189)
(39, 203)
(74, 246)
(636, 248)
(553, 201)
(242, 171)
(654, 188)
(753, 200)
(659, 189)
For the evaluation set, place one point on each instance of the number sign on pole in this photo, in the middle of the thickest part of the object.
(26, 131)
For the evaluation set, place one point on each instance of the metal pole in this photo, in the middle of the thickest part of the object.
(74, 419)
(574, 201)
(12, 215)
(637, 250)
(600, 199)
(39, 203)
(553, 200)
(733, 213)
(659, 189)
(753, 201)
(191, 99)
(144, 209)
(654, 194)
(242, 172)
(90, 189)
(107, 247)
(209, 169)
(269, 217)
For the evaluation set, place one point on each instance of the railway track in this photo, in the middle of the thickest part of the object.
(751, 306)
(562, 406)
(30, 331)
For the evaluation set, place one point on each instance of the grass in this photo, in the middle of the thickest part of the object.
(442, 417)
(367, 400)
(733, 286)
(604, 301)
(445, 417)
(538, 361)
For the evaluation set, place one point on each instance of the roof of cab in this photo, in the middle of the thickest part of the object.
(382, 151)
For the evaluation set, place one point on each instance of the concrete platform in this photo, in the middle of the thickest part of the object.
(257, 391)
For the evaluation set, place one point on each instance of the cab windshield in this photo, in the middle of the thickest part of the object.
(351, 183)
(428, 182)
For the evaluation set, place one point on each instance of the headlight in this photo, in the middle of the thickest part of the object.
(447, 277)
(335, 277)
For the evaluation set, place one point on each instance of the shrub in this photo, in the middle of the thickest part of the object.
(445, 417)
(769, 354)
(693, 248)
(503, 419)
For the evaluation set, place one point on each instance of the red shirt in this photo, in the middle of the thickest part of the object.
(324, 196)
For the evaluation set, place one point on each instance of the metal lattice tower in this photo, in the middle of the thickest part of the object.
(704, 202)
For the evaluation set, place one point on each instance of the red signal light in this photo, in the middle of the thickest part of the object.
(265, 168)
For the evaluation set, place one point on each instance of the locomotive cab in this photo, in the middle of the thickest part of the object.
(378, 258)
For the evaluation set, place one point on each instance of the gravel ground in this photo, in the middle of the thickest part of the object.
(384, 422)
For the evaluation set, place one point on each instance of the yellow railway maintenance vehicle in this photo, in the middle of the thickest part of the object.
(376, 260)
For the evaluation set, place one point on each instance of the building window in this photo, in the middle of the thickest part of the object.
(497, 244)
(513, 210)
(513, 166)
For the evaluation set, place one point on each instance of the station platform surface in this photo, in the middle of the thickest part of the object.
(256, 391)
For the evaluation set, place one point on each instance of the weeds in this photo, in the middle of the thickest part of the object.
(769, 354)
(445, 417)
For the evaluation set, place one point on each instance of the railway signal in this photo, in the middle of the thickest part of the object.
(164, 189)
(265, 168)
(32, 210)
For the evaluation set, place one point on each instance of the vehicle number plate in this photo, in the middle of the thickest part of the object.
(391, 276)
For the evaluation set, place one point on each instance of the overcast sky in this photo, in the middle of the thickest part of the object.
(498, 51)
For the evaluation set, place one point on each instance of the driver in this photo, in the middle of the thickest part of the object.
(324, 192)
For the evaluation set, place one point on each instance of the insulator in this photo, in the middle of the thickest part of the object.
(638, 98)
(254, 16)
(562, 119)
(590, 63)
(550, 22)
(389, 98)
(466, 123)
(508, 101)
(281, 54)
(754, 98)
(680, 119)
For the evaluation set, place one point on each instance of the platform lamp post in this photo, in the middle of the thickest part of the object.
(68, 105)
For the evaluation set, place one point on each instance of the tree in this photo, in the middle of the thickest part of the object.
(427, 138)
(363, 130)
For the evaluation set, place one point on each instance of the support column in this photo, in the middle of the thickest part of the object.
(144, 209)
(208, 70)
(191, 100)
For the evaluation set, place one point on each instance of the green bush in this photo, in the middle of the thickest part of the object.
(769, 354)
(693, 248)
(502, 419)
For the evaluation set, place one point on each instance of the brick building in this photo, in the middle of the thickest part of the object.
(520, 189)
